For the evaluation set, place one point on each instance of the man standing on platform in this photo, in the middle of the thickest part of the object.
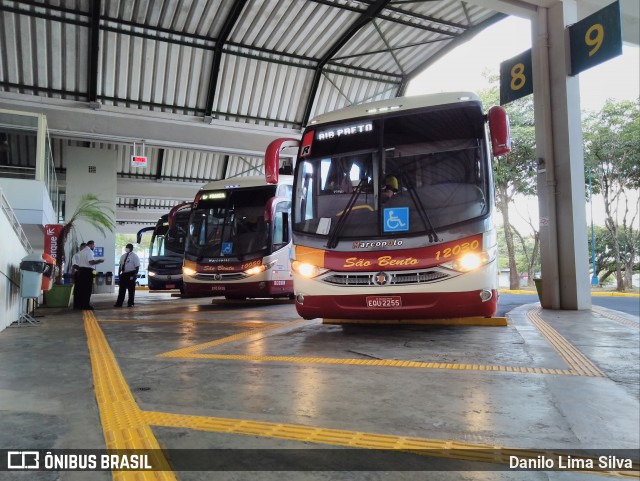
(128, 272)
(84, 278)
(75, 267)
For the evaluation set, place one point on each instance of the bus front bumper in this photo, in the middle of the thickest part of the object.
(423, 305)
(239, 289)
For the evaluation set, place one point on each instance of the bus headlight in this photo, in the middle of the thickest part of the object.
(255, 270)
(151, 273)
(471, 261)
(188, 271)
(307, 270)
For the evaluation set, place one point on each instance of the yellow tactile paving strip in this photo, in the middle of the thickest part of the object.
(579, 365)
(578, 362)
(127, 427)
(615, 317)
(355, 439)
(122, 420)
(380, 362)
(456, 321)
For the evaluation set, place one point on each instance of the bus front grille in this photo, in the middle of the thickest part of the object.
(395, 279)
(236, 276)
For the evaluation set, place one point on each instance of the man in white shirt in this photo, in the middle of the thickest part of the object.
(128, 272)
(84, 278)
(74, 272)
(74, 261)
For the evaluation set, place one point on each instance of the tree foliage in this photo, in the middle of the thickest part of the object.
(514, 174)
(612, 159)
(91, 210)
(605, 258)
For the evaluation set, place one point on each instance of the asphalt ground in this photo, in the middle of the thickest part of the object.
(231, 391)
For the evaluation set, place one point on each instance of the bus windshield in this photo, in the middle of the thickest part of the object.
(158, 238)
(170, 242)
(230, 224)
(421, 172)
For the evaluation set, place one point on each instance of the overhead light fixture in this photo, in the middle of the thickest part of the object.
(383, 109)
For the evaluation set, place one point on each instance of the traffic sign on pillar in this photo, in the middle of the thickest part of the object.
(596, 38)
(516, 78)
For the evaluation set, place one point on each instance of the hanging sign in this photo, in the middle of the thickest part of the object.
(51, 233)
(516, 79)
(596, 38)
(138, 161)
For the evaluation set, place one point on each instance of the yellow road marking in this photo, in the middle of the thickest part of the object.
(243, 324)
(615, 317)
(456, 321)
(122, 420)
(355, 439)
(577, 361)
(187, 352)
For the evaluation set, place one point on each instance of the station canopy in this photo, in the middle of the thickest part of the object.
(269, 63)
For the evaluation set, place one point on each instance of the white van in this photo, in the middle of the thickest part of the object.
(142, 279)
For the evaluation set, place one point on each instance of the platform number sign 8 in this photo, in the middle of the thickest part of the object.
(516, 78)
(596, 38)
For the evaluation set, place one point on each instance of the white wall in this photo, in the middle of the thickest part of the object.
(11, 254)
(81, 180)
(29, 199)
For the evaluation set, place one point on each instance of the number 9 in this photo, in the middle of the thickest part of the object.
(592, 40)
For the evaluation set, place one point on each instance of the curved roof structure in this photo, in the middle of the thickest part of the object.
(208, 83)
(269, 62)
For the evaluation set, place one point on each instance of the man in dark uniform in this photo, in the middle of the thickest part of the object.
(84, 278)
(128, 272)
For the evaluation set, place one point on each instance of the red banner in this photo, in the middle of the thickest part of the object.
(51, 232)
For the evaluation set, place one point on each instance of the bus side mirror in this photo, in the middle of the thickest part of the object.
(272, 158)
(499, 131)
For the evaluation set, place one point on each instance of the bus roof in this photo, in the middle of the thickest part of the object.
(395, 104)
(244, 182)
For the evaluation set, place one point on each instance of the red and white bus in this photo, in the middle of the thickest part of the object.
(393, 210)
(238, 239)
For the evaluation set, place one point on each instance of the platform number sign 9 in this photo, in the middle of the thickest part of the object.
(595, 38)
(516, 78)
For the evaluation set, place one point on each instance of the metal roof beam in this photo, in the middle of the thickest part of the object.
(459, 40)
(93, 51)
(141, 189)
(160, 165)
(367, 16)
(225, 32)
(407, 13)
(73, 120)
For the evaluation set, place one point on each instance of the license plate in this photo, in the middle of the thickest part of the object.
(384, 301)
(171, 286)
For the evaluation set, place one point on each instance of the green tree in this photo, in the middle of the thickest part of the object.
(92, 210)
(514, 173)
(612, 157)
(606, 260)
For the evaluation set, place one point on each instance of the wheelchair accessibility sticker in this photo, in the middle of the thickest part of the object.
(227, 248)
(396, 219)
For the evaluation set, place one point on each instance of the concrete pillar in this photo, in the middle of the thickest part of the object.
(92, 171)
(563, 224)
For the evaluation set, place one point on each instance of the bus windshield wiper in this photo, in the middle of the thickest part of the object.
(335, 235)
(431, 232)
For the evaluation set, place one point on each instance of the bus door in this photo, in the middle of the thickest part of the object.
(277, 214)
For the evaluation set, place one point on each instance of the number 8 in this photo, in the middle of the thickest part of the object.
(517, 77)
